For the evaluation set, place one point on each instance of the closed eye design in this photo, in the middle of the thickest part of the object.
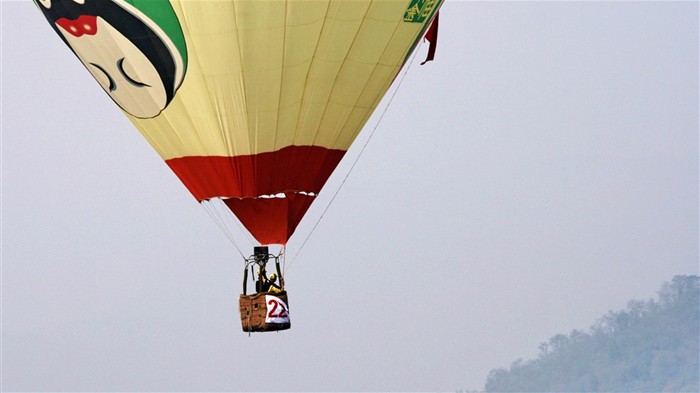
(112, 85)
(120, 66)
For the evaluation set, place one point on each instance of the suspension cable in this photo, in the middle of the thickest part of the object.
(210, 206)
(364, 146)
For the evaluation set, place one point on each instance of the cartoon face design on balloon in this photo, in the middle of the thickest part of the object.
(138, 59)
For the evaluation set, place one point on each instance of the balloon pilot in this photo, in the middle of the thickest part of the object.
(263, 283)
(267, 310)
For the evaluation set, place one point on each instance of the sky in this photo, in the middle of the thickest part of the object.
(542, 171)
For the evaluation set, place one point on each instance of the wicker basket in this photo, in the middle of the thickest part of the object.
(259, 309)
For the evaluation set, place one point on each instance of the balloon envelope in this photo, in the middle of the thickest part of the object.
(251, 101)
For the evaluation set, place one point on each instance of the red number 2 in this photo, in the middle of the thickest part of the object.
(273, 314)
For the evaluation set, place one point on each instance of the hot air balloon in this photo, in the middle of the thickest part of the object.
(253, 102)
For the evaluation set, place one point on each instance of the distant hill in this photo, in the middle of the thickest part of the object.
(651, 346)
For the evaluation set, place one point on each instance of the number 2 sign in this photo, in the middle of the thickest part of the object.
(277, 310)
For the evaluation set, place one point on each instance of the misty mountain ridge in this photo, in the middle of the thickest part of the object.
(652, 346)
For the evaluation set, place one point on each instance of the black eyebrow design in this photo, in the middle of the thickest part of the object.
(134, 82)
(112, 85)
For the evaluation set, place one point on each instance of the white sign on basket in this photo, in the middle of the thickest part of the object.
(277, 310)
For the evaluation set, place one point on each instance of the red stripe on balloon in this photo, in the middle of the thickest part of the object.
(244, 179)
(271, 220)
(293, 168)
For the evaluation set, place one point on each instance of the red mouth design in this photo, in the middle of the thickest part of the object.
(85, 24)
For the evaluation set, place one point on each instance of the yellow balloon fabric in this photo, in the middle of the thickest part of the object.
(252, 101)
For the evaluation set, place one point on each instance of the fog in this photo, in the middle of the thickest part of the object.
(541, 171)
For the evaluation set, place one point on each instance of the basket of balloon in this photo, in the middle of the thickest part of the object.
(264, 312)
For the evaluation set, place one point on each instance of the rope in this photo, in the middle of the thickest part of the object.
(364, 146)
(210, 208)
(283, 256)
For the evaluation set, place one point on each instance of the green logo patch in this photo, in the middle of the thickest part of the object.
(419, 10)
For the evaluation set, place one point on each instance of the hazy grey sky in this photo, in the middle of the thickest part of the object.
(542, 171)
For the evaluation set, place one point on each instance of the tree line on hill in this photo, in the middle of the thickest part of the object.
(652, 346)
